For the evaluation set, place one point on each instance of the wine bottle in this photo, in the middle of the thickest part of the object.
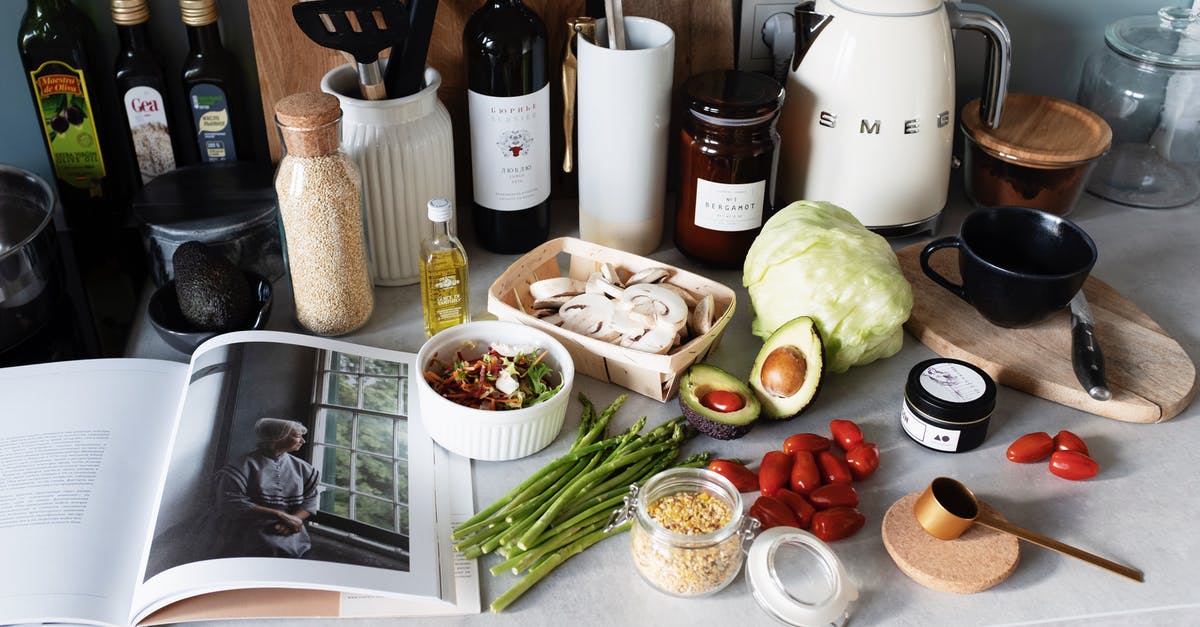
(57, 44)
(508, 101)
(143, 91)
(212, 85)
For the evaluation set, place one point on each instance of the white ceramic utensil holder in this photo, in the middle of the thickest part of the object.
(405, 151)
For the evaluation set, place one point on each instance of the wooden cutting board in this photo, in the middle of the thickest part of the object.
(1151, 377)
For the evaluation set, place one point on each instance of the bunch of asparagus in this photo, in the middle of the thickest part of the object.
(564, 508)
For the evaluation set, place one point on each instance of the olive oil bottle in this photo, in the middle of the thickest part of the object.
(56, 42)
(212, 86)
(444, 291)
(142, 90)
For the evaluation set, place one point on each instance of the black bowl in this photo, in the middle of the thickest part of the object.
(175, 330)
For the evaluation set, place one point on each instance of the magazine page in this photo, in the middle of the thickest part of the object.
(300, 463)
(81, 446)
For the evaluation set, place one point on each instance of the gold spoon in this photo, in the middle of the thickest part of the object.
(946, 509)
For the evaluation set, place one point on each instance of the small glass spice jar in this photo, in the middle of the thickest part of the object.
(728, 156)
(320, 205)
(947, 405)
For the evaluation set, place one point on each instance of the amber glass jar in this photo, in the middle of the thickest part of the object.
(727, 164)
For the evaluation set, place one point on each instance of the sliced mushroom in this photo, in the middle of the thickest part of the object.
(701, 319)
(648, 275)
(688, 298)
(663, 305)
(552, 303)
(656, 340)
(610, 274)
(597, 284)
(590, 315)
(557, 286)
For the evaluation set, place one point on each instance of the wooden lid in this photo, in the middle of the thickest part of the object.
(307, 110)
(1039, 131)
(975, 561)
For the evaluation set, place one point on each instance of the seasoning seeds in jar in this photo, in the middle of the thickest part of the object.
(676, 550)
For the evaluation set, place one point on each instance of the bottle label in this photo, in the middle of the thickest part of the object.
(444, 290)
(66, 109)
(214, 131)
(147, 114)
(510, 149)
(729, 206)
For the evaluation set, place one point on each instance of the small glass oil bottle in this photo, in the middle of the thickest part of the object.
(443, 272)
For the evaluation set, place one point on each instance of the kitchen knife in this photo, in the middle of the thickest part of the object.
(1085, 350)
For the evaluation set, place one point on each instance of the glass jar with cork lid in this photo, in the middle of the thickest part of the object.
(320, 206)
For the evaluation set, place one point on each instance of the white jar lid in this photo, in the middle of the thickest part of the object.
(798, 579)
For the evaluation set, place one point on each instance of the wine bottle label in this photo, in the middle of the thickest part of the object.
(147, 115)
(510, 149)
(214, 130)
(729, 206)
(66, 109)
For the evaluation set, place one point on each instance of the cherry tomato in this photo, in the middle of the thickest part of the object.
(1031, 447)
(863, 460)
(1073, 465)
(805, 476)
(1066, 441)
(774, 472)
(846, 433)
(836, 523)
(834, 469)
(742, 478)
(806, 442)
(723, 401)
(772, 512)
(834, 495)
(799, 505)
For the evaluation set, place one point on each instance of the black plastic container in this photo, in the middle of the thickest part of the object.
(947, 405)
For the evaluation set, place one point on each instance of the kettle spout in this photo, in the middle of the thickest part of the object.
(809, 25)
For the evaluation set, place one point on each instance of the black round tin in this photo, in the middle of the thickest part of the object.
(947, 405)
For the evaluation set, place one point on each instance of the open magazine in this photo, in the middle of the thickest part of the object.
(138, 491)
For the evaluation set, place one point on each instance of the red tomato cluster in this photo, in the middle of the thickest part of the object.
(1069, 457)
(808, 484)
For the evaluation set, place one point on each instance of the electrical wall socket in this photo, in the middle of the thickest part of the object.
(753, 55)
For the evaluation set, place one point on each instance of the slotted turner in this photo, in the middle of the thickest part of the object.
(361, 28)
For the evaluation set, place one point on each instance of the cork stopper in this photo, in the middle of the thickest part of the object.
(307, 123)
(198, 12)
(130, 12)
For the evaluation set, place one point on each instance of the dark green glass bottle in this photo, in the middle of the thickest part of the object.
(56, 42)
(212, 87)
(143, 91)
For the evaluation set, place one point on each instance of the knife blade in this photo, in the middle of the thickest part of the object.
(1086, 357)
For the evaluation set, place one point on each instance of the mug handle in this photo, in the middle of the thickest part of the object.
(927, 252)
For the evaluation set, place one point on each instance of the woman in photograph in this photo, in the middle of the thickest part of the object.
(265, 496)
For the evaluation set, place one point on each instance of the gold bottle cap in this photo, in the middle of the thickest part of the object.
(130, 12)
(198, 12)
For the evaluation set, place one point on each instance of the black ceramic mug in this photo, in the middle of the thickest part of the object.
(1018, 265)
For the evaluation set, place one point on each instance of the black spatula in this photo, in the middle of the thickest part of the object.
(362, 28)
(405, 73)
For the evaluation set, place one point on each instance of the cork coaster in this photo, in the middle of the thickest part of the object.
(973, 562)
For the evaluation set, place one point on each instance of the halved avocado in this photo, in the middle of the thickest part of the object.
(704, 397)
(787, 371)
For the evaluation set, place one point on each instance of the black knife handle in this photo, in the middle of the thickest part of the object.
(1088, 361)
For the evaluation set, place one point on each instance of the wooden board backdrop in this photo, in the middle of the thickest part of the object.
(288, 62)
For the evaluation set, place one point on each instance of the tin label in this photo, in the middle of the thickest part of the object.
(953, 382)
(927, 434)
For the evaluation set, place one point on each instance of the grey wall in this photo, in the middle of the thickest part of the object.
(1051, 40)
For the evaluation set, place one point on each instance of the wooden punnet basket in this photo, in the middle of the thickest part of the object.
(655, 376)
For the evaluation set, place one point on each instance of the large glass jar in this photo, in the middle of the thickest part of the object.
(727, 166)
(1145, 83)
(320, 206)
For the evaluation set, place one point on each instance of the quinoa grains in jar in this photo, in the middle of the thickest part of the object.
(688, 530)
(320, 207)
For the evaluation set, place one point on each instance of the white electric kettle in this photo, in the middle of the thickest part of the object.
(869, 117)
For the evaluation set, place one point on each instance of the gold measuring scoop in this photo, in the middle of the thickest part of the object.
(946, 509)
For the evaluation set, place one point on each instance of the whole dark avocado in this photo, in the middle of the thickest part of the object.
(717, 403)
(787, 371)
(213, 294)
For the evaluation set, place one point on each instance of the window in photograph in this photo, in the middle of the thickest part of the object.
(360, 444)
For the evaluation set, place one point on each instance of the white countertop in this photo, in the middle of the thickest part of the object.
(1140, 510)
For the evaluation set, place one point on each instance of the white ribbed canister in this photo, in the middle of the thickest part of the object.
(405, 150)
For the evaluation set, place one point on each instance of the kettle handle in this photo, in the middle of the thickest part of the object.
(964, 16)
